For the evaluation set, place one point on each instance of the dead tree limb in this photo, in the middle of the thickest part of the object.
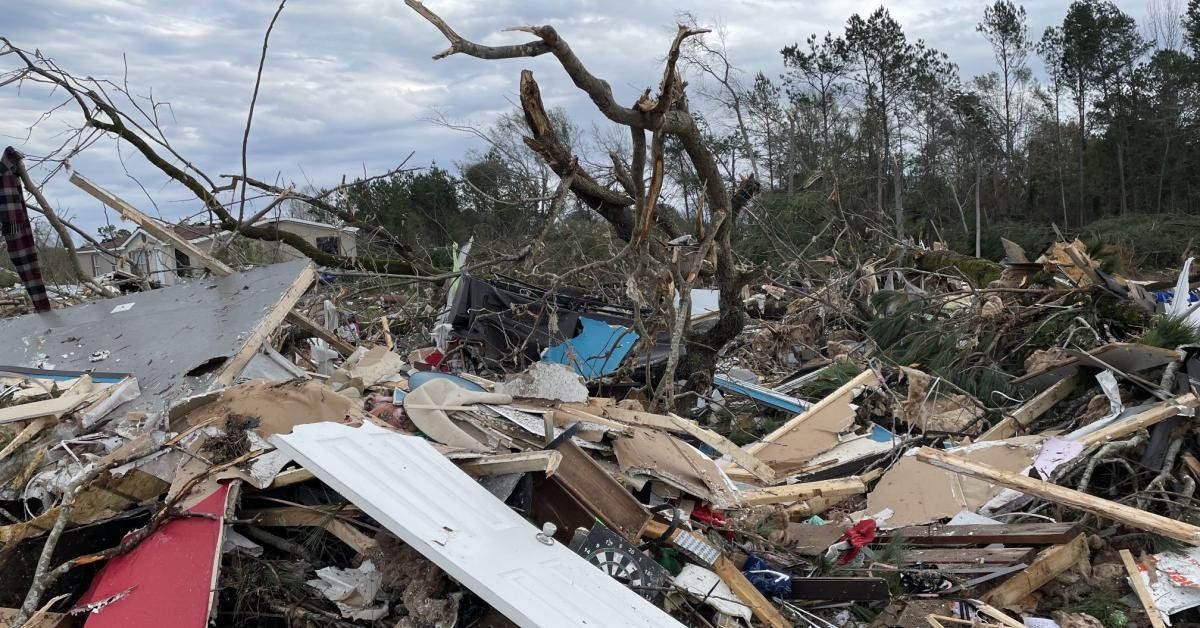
(666, 115)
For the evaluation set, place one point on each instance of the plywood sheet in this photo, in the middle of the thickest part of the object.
(921, 493)
(159, 336)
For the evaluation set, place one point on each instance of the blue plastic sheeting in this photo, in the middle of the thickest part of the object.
(761, 394)
(597, 351)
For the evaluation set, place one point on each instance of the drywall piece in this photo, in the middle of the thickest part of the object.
(419, 495)
(428, 405)
(546, 380)
(596, 351)
(761, 394)
(654, 455)
(191, 327)
(815, 431)
(373, 366)
(707, 586)
(919, 493)
(172, 574)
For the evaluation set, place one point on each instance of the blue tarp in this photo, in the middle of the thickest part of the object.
(596, 351)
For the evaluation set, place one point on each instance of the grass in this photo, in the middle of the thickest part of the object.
(1105, 606)
(831, 378)
(919, 333)
(1169, 332)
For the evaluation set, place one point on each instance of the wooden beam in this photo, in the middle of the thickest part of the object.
(313, 327)
(1160, 412)
(545, 461)
(1143, 594)
(743, 458)
(853, 485)
(292, 476)
(1102, 508)
(1008, 534)
(1037, 406)
(238, 361)
(151, 226)
(1049, 563)
(762, 608)
(73, 398)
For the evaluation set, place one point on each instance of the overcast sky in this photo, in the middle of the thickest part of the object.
(350, 86)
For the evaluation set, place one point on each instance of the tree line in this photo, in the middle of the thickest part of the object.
(1096, 116)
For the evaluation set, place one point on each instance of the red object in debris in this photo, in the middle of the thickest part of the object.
(170, 576)
(713, 518)
(859, 535)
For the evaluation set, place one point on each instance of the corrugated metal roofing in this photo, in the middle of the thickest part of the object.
(419, 495)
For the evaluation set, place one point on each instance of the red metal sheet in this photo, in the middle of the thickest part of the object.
(169, 575)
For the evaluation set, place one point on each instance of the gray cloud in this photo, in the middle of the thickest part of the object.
(350, 85)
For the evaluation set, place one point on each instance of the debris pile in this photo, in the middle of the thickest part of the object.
(923, 440)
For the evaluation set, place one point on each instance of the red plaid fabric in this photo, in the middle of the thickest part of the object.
(18, 234)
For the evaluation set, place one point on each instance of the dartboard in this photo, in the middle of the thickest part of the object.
(617, 558)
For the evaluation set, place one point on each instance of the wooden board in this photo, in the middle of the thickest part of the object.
(1102, 508)
(309, 325)
(1128, 357)
(762, 608)
(597, 491)
(982, 556)
(1008, 534)
(1037, 406)
(1051, 562)
(1130, 424)
(543, 461)
(271, 319)
(1139, 588)
(796, 492)
(74, 397)
(743, 458)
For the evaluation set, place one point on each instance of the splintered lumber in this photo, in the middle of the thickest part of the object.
(545, 461)
(1143, 594)
(727, 447)
(1049, 563)
(1008, 534)
(1037, 406)
(853, 485)
(762, 608)
(259, 335)
(1160, 412)
(1102, 508)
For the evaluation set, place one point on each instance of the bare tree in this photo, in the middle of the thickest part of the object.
(633, 213)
